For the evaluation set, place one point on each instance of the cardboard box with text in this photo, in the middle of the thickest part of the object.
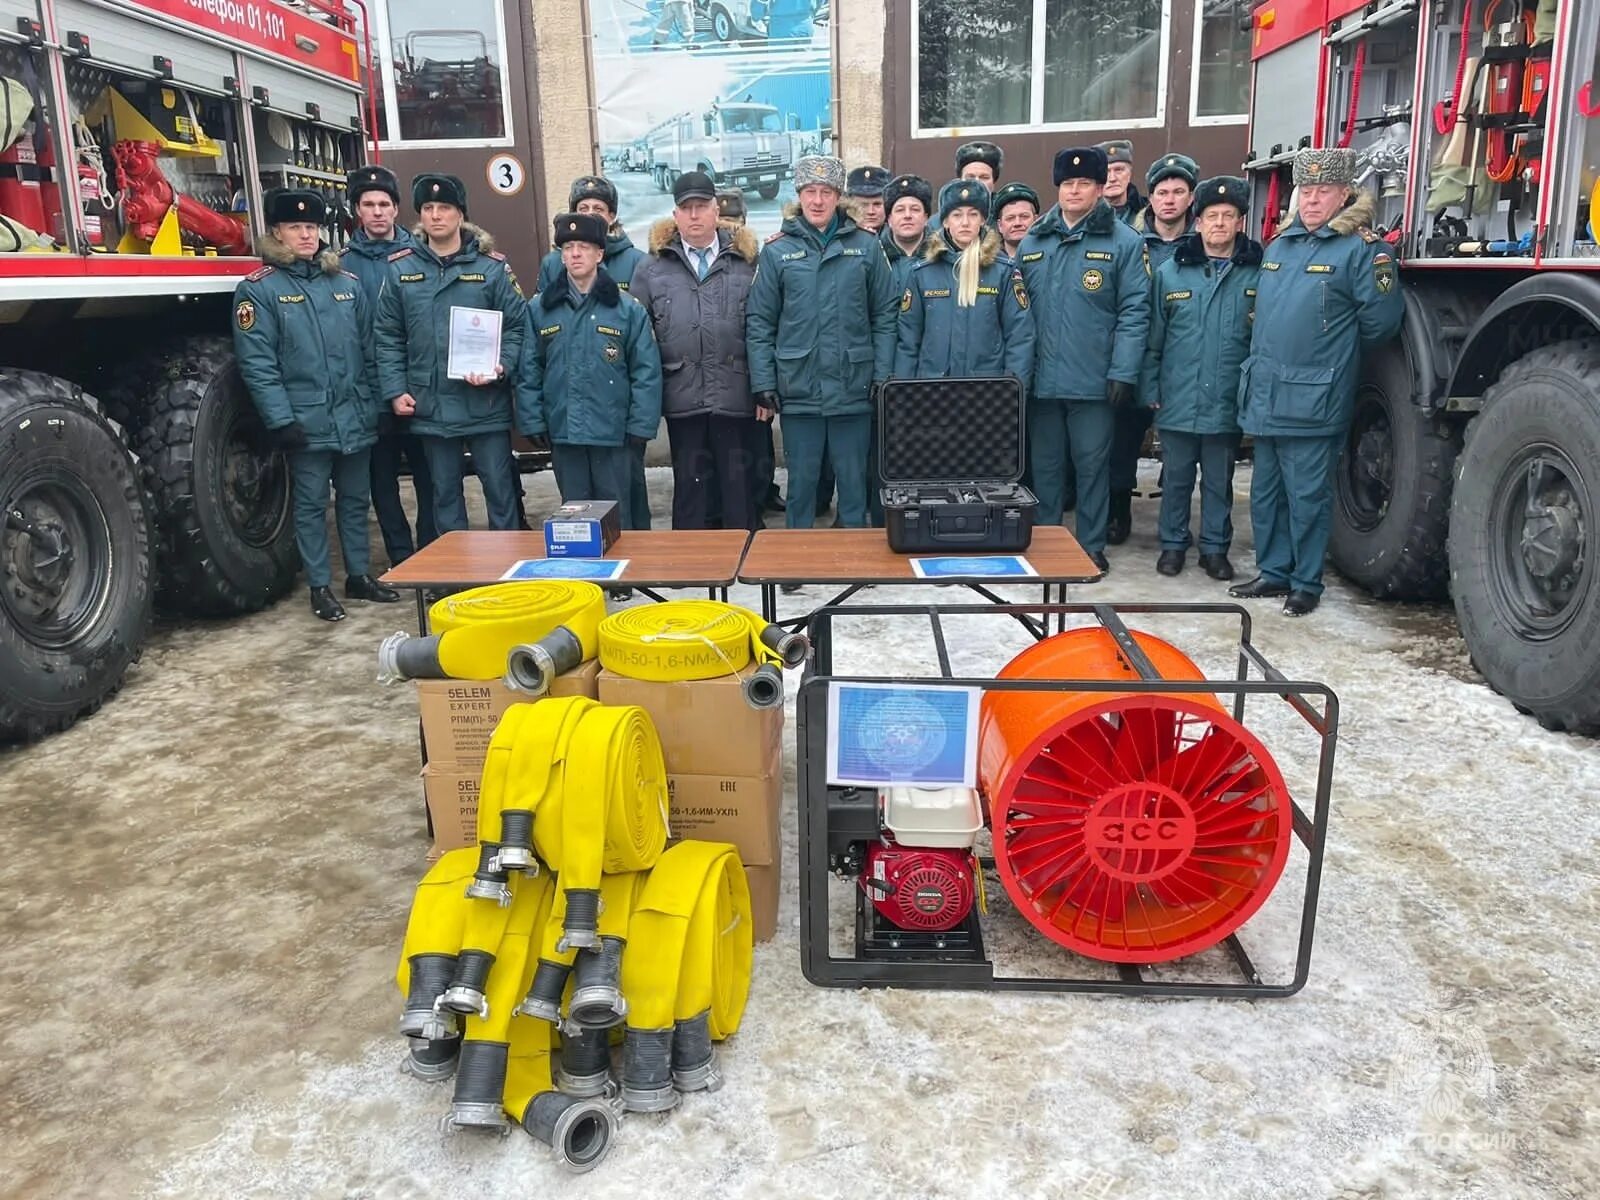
(459, 715)
(706, 725)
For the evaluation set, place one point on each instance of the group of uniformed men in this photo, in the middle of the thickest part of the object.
(1110, 308)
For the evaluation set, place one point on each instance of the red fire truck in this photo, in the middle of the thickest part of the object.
(138, 139)
(1473, 467)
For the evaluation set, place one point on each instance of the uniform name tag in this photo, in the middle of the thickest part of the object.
(473, 278)
(1249, 291)
(790, 257)
(1179, 296)
(1319, 269)
(1034, 257)
(344, 295)
(1097, 256)
(608, 331)
(988, 291)
(291, 299)
(549, 329)
(1270, 266)
(935, 293)
(417, 278)
(851, 251)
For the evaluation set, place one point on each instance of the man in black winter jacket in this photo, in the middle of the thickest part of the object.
(694, 284)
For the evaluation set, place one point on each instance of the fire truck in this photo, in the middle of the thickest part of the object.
(1473, 465)
(139, 137)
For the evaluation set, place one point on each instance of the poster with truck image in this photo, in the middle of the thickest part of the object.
(739, 89)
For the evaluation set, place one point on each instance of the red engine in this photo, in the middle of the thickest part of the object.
(925, 888)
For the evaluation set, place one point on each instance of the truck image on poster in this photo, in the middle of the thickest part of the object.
(739, 145)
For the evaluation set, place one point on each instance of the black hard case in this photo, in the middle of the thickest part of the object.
(950, 455)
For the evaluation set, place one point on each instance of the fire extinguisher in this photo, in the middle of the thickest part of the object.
(1505, 53)
(21, 197)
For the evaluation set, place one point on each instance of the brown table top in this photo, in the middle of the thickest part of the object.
(863, 556)
(656, 558)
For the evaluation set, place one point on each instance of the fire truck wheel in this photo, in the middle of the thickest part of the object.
(221, 497)
(1391, 517)
(1524, 575)
(75, 557)
(767, 191)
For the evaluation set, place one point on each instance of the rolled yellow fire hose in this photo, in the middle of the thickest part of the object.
(579, 1131)
(700, 639)
(432, 943)
(525, 766)
(689, 952)
(527, 632)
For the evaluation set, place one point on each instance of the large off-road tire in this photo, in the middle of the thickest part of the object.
(767, 191)
(221, 497)
(76, 582)
(1391, 512)
(1524, 538)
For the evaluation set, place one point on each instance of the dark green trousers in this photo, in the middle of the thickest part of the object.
(1068, 437)
(311, 472)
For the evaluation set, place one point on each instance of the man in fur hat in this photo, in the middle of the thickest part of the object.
(1329, 287)
(981, 161)
(694, 285)
(591, 374)
(302, 333)
(821, 325)
(453, 265)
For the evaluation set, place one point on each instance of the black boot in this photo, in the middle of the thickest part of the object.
(1120, 523)
(1300, 603)
(365, 587)
(1098, 558)
(324, 606)
(1258, 588)
(1217, 566)
(1170, 562)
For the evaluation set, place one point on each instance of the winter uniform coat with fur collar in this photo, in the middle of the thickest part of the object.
(939, 339)
(1323, 295)
(699, 323)
(413, 334)
(302, 334)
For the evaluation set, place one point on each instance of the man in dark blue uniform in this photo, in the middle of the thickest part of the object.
(1328, 287)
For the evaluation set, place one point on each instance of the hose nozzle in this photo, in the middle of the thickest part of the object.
(764, 688)
(647, 1071)
(578, 1130)
(532, 667)
(581, 928)
(597, 1001)
(430, 976)
(585, 1067)
(792, 648)
(543, 1001)
(402, 656)
(694, 1059)
(432, 1060)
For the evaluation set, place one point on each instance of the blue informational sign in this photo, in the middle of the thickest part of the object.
(885, 733)
(600, 570)
(986, 566)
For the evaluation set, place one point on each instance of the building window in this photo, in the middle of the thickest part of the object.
(1031, 63)
(1222, 61)
(441, 71)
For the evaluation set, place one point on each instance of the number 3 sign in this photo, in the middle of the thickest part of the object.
(506, 175)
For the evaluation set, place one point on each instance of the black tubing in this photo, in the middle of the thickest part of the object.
(647, 1071)
(533, 667)
(578, 1130)
(471, 980)
(585, 1068)
(434, 1059)
(764, 689)
(490, 879)
(430, 975)
(581, 926)
(791, 647)
(417, 658)
(597, 1001)
(693, 1057)
(480, 1084)
(516, 831)
(544, 995)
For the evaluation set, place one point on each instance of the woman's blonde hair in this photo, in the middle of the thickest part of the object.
(968, 268)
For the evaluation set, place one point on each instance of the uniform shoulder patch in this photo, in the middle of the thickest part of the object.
(260, 274)
(399, 254)
(244, 315)
(1368, 236)
(497, 256)
(1019, 289)
(905, 301)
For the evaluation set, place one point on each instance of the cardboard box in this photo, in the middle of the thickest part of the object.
(764, 899)
(459, 715)
(582, 529)
(452, 795)
(740, 809)
(705, 725)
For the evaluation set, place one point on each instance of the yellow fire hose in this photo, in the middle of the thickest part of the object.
(481, 1075)
(526, 632)
(578, 1130)
(586, 985)
(525, 766)
(685, 972)
(700, 639)
(432, 943)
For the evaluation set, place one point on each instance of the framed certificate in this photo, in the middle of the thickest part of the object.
(474, 342)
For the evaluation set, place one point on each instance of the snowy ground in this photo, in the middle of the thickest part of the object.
(206, 887)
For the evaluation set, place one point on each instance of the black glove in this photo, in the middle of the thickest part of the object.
(636, 442)
(768, 400)
(1119, 394)
(288, 438)
(540, 441)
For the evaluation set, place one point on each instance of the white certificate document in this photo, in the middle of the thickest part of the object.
(474, 342)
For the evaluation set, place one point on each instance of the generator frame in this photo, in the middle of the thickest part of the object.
(963, 963)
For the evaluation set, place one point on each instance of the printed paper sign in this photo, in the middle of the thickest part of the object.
(985, 566)
(884, 733)
(598, 570)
